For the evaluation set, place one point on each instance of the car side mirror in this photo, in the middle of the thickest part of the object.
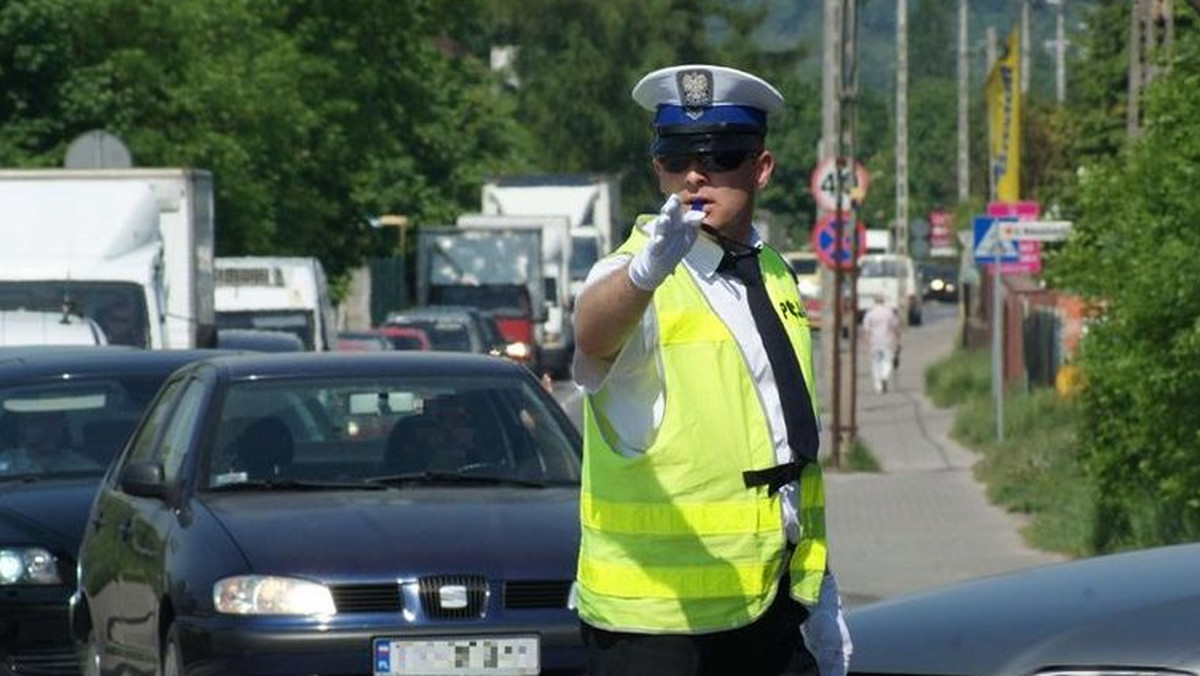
(144, 480)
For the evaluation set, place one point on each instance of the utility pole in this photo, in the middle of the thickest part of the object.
(964, 156)
(831, 126)
(850, 138)
(1134, 90)
(1060, 53)
(900, 232)
(1025, 47)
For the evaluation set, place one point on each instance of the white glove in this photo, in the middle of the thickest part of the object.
(672, 235)
(825, 632)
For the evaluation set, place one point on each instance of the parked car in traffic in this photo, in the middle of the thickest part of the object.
(259, 340)
(894, 278)
(939, 281)
(807, 268)
(65, 412)
(367, 341)
(337, 514)
(1130, 613)
(408, 337)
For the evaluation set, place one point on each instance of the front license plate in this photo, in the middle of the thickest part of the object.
(458, 656)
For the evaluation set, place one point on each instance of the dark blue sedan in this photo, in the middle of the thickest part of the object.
(65, 412)
(385, 513)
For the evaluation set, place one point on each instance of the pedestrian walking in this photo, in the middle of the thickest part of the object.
(703, 547)
(882, 327)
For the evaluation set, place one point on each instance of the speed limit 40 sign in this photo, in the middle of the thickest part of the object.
(824, 185)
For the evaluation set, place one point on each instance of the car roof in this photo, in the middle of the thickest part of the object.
(286, 365)
(84, 361)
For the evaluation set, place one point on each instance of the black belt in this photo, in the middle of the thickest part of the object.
(775, 477)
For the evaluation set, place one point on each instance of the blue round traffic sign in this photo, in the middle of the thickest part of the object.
(824, 242)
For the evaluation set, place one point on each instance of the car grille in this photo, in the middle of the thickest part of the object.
(430, 592)
(537, 594)
(368, 598)
(43, 662)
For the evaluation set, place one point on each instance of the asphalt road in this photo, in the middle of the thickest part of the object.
(924, 521)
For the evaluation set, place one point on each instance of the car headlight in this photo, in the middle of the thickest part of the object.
(937, 285)
(271, 595)
(517, 350)
(28, 565)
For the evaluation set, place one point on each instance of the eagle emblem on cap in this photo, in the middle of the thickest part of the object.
(695, 91)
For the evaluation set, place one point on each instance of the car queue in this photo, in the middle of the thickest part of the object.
(442, 490)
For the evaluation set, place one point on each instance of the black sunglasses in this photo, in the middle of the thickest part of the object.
(718, 161)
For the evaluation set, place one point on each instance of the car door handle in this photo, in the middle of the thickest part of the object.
(125, 529)
(97, 522)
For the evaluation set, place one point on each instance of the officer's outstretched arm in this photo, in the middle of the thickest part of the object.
(606, 312)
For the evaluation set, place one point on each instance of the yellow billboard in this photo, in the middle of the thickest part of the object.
(1003, 97)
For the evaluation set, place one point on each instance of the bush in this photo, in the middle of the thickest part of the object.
(959, 377)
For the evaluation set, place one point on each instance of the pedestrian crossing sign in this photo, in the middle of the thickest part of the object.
(990, 247)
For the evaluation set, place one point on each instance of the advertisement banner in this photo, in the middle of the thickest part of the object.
(1003, 97)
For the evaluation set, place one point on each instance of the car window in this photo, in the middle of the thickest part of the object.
(87, 420)
(491, 427)
(142, 447)
(178, 434)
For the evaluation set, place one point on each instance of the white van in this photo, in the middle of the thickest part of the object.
(272, 293)
(30, 327)
(894, 276)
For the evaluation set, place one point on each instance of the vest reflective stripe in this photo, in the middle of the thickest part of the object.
(675, 518)
(810, 559)
(672, 539)
(684, 582)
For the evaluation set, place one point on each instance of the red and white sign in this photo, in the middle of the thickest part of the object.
(825, 242)
(824, 185)
(941, 234)
(1030, 251)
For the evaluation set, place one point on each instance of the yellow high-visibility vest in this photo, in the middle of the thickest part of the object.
(673, 540)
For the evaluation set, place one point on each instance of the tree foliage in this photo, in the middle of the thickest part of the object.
(1134, 252)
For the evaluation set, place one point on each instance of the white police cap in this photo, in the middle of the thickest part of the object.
(700, 94)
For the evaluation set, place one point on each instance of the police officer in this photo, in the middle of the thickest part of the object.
(703, 540)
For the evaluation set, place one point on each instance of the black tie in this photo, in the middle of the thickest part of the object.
(789, 379)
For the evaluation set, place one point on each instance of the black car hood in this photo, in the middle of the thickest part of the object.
(1135, 609)
(47, 512)
(405, 532)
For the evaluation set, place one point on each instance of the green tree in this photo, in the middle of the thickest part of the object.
(1133, 251)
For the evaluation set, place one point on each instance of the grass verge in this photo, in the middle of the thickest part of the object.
(1035, 471)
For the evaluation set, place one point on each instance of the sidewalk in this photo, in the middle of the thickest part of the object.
(924, 521)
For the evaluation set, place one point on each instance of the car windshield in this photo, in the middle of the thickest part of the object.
(69, 428)
(878, 267)
(500, 298)
(118, 307)
(804, 266)
(297, 322)
(301, 434)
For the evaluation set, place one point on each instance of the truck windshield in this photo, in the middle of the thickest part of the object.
(118, 307)
(584, 254)
(298, 322)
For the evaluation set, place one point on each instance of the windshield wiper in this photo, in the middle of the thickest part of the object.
(295, 485)
(428, 477)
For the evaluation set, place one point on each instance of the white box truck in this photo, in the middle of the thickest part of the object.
(591, 202)
(555, 335)
(130, 248)
(276, 293)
